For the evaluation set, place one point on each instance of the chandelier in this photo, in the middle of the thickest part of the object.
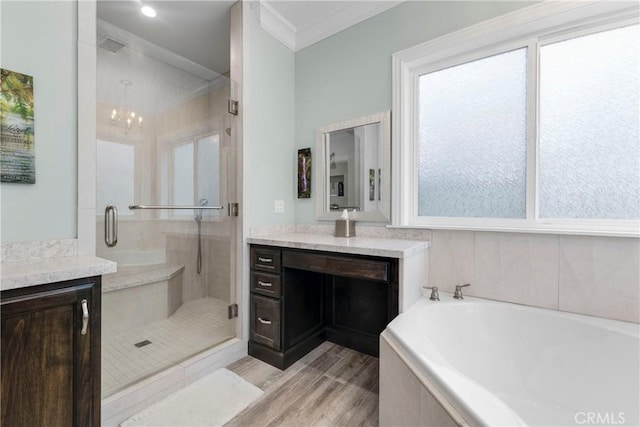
(124, 116)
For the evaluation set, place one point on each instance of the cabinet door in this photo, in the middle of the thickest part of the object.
(50, 368)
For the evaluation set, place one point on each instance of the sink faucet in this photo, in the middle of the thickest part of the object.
(458, 292)
(435, 296)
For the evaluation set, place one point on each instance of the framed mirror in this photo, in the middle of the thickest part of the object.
(354, 169)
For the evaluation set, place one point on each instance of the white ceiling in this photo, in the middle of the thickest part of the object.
(199, 30)
(196, 30)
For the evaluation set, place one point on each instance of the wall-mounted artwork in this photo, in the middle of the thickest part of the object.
(304, 173)
(17, 154)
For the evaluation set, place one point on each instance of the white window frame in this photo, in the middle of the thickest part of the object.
(530, 27)
(192, 139)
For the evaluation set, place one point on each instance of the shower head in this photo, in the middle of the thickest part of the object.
(203, 202)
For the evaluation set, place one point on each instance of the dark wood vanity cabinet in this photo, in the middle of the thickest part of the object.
(300, 298)
(50, 361)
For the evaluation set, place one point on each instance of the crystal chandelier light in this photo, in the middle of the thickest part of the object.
(124, 116)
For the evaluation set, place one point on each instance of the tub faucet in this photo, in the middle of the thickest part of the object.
(458, 292)
(435, 296)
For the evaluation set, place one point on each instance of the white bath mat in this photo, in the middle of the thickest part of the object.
(211, 401)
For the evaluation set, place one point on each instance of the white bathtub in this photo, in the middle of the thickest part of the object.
(506, 364)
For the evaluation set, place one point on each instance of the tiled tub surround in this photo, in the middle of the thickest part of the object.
(412, 255)
(597, 276)
(481, 362)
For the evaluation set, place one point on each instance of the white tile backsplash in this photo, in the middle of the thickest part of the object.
(514, 267)
(600, 276)
(597, 276)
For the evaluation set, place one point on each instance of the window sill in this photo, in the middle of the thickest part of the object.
(541, 229)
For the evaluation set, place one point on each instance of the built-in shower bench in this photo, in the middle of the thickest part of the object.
(138, 295)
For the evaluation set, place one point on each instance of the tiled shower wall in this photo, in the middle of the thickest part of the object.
(598, 276)
(214, 279)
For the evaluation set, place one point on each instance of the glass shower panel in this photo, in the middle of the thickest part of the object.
(208, 167)
(183, 177)
(165, 140)
(115, 173)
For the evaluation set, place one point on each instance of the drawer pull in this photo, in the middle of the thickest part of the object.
(264, 321)
(85, 317)
(269, 260)
(264, 284)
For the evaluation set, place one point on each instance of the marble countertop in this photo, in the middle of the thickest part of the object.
(20, 274)
(392, 248)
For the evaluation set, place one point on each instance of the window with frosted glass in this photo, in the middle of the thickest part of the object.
(115, 176)
(472, 139)
(208, 160)
(183, 182)
(589, 163)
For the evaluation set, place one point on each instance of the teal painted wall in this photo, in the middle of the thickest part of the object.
(39, 38)
(270, 163)
(349, 74)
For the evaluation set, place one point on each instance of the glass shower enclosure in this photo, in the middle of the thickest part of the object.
(166, 155)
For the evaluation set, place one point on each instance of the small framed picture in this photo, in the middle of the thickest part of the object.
(17, 141)
(304, 173)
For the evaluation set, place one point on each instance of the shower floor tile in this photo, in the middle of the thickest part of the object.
(194, 327)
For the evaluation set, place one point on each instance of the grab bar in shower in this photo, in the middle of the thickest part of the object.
(133, 207)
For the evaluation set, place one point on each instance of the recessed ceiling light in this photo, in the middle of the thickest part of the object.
(148, 11)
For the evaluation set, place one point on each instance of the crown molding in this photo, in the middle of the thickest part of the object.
(276, 25)
(296, 39)
(348, 17)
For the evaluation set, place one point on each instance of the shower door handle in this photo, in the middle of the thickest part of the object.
(111, 226)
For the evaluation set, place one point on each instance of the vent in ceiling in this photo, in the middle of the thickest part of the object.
(112, 45)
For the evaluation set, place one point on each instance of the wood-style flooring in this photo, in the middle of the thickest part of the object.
(330, 386)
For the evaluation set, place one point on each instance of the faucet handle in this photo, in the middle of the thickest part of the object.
(458, 292)
(435, 296)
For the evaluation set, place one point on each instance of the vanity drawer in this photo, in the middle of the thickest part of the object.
(267, 259)
(267, 284)
(340, 266)
(265, 314)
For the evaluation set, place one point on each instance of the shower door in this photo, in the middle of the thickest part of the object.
(166, 155)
